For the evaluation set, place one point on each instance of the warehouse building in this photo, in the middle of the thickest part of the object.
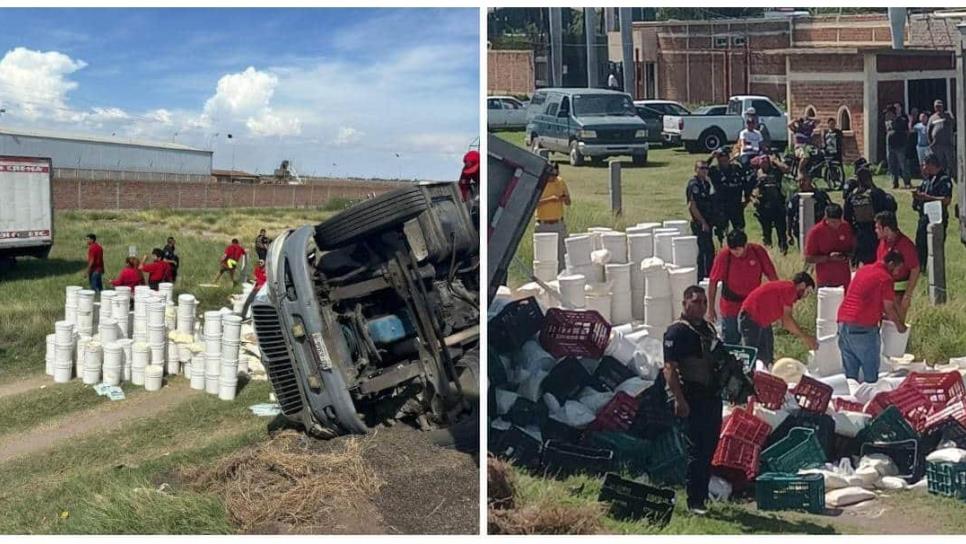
(89, 157)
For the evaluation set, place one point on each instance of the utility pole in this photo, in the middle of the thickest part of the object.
(556, 47)
(627, 50)
(590, 35)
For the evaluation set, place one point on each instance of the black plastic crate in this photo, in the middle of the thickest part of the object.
(496, 372)
(553, 429)
(947, 431)
(906, 454)
(630, 500)
(566, 379)
(655, 414)
(519, 448)
(822, 424)
(562, 459)
(610, 373)
(524, 412)
(516, 323)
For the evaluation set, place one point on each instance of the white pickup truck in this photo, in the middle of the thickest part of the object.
(704, 133)
(26, 207)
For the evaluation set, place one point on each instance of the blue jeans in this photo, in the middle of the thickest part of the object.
(95, 279)
(860, 347)
(755, 336)
(729, 330)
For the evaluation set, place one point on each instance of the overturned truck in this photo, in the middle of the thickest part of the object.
(372, 316)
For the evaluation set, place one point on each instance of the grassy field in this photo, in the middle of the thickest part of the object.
(111, 481)
(655, 192)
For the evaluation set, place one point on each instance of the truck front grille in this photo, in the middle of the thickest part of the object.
(623, 136)
(275, 357)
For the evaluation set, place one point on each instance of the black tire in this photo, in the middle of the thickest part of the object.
(576, 159)
(370, 217)
(711, 139)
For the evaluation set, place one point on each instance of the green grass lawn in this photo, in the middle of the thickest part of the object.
(108, 482)
(655, 192)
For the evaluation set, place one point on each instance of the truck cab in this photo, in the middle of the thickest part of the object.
(587, 124)
(705, 133)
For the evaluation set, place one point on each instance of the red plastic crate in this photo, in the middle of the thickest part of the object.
(939, 387)
(617, 415)
(744, 425)
(842, 405)
(575, 333)
(913, 405)
(770, 390)
(736, 460)
(955, 410)
(812, 395)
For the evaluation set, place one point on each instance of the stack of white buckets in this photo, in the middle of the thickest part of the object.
(162, 339)
(636, 275)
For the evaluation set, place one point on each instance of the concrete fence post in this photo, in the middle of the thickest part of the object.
(293, 195)
(253, 195)
(179, 196)
(936, 263)
(79, 207)
(616, 205)
(117, 195)
(806, 217)
(206, 196)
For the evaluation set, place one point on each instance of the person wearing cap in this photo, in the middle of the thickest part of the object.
(258, 273)
(820, 201)
(739, 269)
(906, 275)
(869, 297)
(550, 211)
(897, 134)
(769, 303)
(470, 175)
(938, 186)
(829, 246)
(699, 194)
(863, 200)
(749, 141)
(732, 191)
(770, 201)
(940, 135)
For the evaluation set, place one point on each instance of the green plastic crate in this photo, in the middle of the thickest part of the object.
(668, 459)
(800, 449)
(630, 451)
(777, 491)
(888, 426)
(946, 479)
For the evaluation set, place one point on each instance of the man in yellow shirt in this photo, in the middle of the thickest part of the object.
(550, 211)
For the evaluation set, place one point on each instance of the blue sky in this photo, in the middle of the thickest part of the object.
(336, 91)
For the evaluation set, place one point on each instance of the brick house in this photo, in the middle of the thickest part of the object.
(842, 67)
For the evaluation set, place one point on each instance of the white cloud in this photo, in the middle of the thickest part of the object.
(348, 135)
(162, 116)
(107, 114)
(35, 84)
(246, 97)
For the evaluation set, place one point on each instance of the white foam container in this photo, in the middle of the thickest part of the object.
(893, 342)
(153, 377)
(545, 246)
(657, 311)
(619, 277)
(572, 288)
(616, 244)
(63, 332)
(578, 249)
(545, 270)
(684, 250)
(663, 248)
(681, 225)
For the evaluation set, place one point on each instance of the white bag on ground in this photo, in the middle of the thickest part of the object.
(719, 489)
(850, 423)
(892, 482)
(883, 464)
(594, 400)
(833, 480)
(574, 414)
(947, 455)
(865, 392)
(866, 477)
(773, 418)
(552, 403)
(634, 386)
(530, 389)
(847, 496)
(504, 400)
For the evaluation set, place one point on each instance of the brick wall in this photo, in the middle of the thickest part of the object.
(828, 97)
(906, 63)
(111, 195)
(509, 72)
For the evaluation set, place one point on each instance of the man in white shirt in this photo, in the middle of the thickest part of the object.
(749, 141)
(612, 82)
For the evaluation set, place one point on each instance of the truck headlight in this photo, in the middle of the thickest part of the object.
(586, 134)
(641, 133)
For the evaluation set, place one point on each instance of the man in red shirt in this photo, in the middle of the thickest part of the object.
(230, 260)
(259, 273)
(767, 304)
(129, 276)
(870, 295)
(829, 246)
(157, 270)
(95, 263)
(739, 267)
(906, 275)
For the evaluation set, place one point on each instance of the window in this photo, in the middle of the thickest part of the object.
(552, 109)
(845, 119)
(763, 108)
(510, 104)
(720, 42)
(493, 104)
(538, 98)
(647, 113)
(603, 104)
(738, 41)
(810, 111)
(565, 105)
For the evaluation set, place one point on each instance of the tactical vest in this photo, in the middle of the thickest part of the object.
(699, 369)
(863, 209)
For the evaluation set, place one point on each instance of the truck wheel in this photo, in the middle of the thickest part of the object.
(370, 217)
(640, 160)
(576, 159)
(464, 435)
(711, 139)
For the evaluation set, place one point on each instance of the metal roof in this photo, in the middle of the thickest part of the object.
(59, 135)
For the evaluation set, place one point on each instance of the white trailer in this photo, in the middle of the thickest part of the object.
(26, 207)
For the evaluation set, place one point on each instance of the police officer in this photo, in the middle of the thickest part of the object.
(699, 194)
(937, 186)
(770, 201)
(689, 369)
(733, 193)
(820, 201)
(863, 200)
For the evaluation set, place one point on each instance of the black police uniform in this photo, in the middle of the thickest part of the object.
(939, 185)
(690, 346)
(770, 209)
(168, 254)
(821, 201)
(701, 192)
(861, 205)
(731, 188)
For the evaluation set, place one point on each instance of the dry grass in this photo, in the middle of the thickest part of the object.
(547, 519)
(499, 484)
(283, 482)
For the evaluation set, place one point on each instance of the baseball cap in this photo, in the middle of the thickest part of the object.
(471, 162)
(860, 164)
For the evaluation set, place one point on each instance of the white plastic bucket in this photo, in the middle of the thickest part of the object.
(231, 328)
(684, 250)
(657, 283)
(657, 311)
(108, 330)
(681, 225)
(229, 351)
(545, 246)
(63, 332)
(85, 301)
(212, 345)
(572, 290)
(599, 302)
(579, 248)
(70, 294)
(92, 364)
(121, 315)
(127, 350)
(184, 353)
(156, 334)
(621, 308)
(212, 373)
(681, 279)
(153, 377)
(81, 354)
(616, 244)
(663, 248)
(167, 289)
(197, 372)
(227, 390)
(545, 270)
(826, 327)
(212, 326)
(619, 277)
(85, 323)
(640, 246)
(49, 343)
(113, 363)
(893, 342)
(106, 310)
(827, 359)
(157, 354)
(829, 300)
(637, 304)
